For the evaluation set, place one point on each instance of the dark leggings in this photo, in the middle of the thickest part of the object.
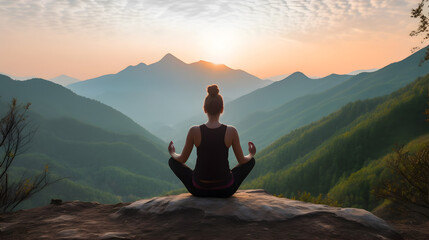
(184, 173)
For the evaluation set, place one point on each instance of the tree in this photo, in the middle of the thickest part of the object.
(15, 134)
(409, 183)
(422, 12)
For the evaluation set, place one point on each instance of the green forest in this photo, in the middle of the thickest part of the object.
(94, 164)
(342, 154)
(96, 152)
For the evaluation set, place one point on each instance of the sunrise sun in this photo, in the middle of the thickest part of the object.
(219, 46)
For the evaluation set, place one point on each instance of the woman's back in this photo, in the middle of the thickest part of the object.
(212, 155)
(212, 176)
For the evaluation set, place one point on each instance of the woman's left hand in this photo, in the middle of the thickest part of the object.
(252, 149)
(171, 149)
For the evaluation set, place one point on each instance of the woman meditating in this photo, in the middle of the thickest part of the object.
(212, 176)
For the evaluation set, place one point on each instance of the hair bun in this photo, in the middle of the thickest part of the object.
(213, 90)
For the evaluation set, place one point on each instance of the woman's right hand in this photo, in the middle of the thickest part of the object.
(171, 149)
(252, 149)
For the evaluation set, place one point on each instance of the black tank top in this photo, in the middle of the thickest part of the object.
(212, 156)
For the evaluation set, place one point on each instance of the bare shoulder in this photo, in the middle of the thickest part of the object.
(231, 129)
(194, 129)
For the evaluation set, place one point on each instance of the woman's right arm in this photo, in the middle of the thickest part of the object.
(237, 148)
(187, 149)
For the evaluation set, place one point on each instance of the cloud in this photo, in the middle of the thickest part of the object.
(267, 17)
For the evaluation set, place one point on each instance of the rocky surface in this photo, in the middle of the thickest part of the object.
(249, 214)
(251, 205)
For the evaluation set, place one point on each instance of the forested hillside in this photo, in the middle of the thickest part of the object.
(51, 100)
(265, 128)
(101, 154)
(317, 157)
(357, 190)
(278, 93)
(97, 165)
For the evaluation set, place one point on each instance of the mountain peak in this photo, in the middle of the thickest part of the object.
(297, 76)
(170, 58)
(139, 66)
(64, 80)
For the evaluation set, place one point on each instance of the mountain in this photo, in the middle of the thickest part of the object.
(265, 127)
(16, 77)
(278, 77)
(283, 76)
(317, 157)
(356, 72)
(64, 80)
(261, 100)
(97, 165)
(278, 93)
(102, 154)
(51, 100)
(166, 92)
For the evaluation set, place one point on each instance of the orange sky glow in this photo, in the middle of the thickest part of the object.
(87, 39)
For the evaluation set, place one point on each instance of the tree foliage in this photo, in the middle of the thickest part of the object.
(15, 134)
(409, 183)
(320, 199)
(422, 13)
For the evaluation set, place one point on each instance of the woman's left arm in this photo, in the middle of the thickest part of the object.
(187, 149)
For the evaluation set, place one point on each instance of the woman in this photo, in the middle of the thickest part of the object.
(212, 176)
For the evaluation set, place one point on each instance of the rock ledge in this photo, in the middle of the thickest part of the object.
(250, 205)
(249, 214)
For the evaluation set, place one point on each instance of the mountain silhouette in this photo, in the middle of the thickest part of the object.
(166, 92)
(279, 93)
(104, 155)
(266, 127)
(64, 80)
(52, 101)
(170, 59)
(261, 100)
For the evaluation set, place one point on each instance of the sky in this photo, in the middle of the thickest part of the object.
(87, 39)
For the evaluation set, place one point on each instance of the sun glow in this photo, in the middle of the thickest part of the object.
(219, 46)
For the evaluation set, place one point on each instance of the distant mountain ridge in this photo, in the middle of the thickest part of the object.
(260, 101)
(279, 93)
(54, 101)
(356, 72)
(17, 77)
(265, 127)
(64, 80)
(165, 92)
(61, 79)
(283, 76)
